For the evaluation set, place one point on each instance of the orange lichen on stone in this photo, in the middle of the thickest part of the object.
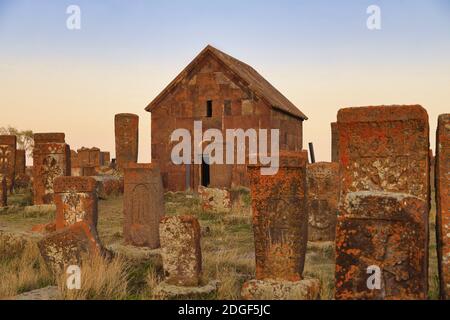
(442, 174)
(280, 218)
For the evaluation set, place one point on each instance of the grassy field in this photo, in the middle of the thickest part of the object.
(227, 247)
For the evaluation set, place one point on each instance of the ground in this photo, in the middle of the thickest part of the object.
(227, 247)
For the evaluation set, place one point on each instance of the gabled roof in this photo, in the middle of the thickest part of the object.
(250, 77)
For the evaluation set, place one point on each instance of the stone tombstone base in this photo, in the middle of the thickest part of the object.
(306, 289)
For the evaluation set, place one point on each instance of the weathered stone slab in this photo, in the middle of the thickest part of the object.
(384, 148)
(69, 246)
(323, 199)
(20, 162)
(334, 142)
(51, 159)
(181, 251)
(280, 219)
(306, 289)
(382, 221)
(165, 291)
(127, 138)
(3, 192)
(215, 199)
(76, 201)
(442, 175)
(8, 159)
(47, 293)
(109, 185)
(143, 204)
(386, 230)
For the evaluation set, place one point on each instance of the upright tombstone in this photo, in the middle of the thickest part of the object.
(8, 159)
(51, 159)
(280, 226)
(382, 227)
(76, 201)
(334, 143)
(3, 191)
(105, 158)
(143, 205)
(442, 176)
(181, 251)
(127, 138)
(20, 162)
(89, 157)
(323, 199)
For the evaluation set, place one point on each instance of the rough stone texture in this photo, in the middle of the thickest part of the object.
(89, 157)
(76, 201)
(127, 138)
(181, 251)
(384, 148)
(306, 289)
(109, 185)
(443, 202)
(384, 158)
(143, 205)
(215, 199)
(8, 159)
(235, 105)
(47, 293)
(51, 159)
(20, 162)
(280, 218)
(105, 158)
(384, 229)
(334, 142)
(323, 199)
(3, 192)
(165, 291)
(69, 246)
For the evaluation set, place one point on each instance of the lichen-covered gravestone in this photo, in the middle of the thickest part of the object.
(442, 175)
(8, 159)
(143, 205)
(181, 251)
(3, 192)
(323, 199)
(70, 246)
(76, 201)
(127, 138)
(51, 159)
(382, 228)
(280, 225)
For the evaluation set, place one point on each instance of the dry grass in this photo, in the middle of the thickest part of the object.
(100, 280)
(21, 267)
(227, 248)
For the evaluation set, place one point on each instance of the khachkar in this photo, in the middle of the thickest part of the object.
(442, 175)
(20, 162)
(143, 205)
(8, 159)
(127, 138)
(280, 225)
(51, 159)
(76, 201)
(382, 227)
(323, 199)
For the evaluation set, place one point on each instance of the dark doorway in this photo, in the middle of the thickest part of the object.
(209, 109)
(205, 171)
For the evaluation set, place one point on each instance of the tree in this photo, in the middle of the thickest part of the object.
(24, 138)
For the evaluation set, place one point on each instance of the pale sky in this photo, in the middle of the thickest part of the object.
(318, 54)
